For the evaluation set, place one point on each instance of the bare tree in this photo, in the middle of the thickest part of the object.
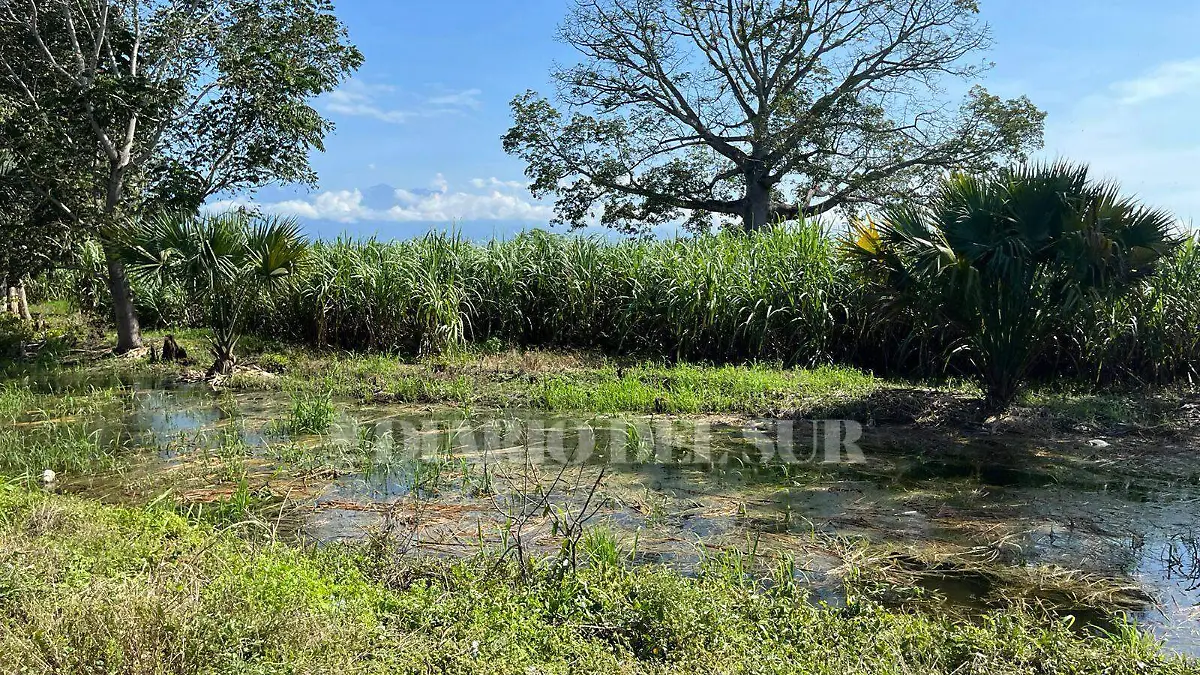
(761, 109)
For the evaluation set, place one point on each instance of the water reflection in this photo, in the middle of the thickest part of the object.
(676, 487)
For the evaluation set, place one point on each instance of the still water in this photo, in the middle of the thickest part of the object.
(673, 491)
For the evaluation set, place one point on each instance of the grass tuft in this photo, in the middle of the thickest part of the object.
(312, 413)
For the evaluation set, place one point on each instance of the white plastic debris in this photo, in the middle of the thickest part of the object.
(48, 477)
(1098, 443)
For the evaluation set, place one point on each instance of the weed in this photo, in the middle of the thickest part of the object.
(312, 413)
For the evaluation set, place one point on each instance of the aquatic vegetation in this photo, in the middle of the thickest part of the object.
(40, 432)
(922, 578)
(247, 511)
(63, 449)
(230, 606)
(14, 400)
(312, 413)
(601, 547)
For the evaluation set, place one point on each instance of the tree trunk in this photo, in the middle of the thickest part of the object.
(129, 331)
(758, 206)
(11, 305)
(23, 301)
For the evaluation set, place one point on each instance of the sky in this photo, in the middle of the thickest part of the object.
(417, 144)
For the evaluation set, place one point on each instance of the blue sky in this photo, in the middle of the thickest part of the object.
(419, 126)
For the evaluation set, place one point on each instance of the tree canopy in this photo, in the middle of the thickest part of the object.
(125, 106)
(761, 109)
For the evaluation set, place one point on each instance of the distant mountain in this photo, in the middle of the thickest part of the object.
(379, 197)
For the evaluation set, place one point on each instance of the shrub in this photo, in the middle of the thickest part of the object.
(1001, 263)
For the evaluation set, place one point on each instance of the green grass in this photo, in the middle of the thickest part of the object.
(14, 400)
(52, 431)
(698, 389)
(312, 413)
(558, 381)
(574, 381)
(86, 588)
(588, 382)
(59, 448)
(561, 383)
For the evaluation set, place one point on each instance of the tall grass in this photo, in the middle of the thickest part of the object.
(787, 295)
(1153, 334)
(717, 297)
(311, 414)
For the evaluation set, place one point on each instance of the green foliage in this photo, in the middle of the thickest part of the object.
(781, 296)
(190, 100)
(715, 296)
(51, 286)
(786, 296)
(1003, 262)
(1149, 334)
(224, 262)
(311, 413)
(77, 599)
(194, 100)
(34, 237)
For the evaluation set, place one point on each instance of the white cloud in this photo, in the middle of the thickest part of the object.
(367, 110)
(1141, 132)
(1168, 79)
(439, 205)
(439, 184)
(468, 98)
(357, 99)
(386, 103)
(482, 183)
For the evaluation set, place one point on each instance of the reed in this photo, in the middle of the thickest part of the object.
(787, 296)
(717, 297)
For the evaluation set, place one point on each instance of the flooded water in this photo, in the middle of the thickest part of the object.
(1053, 515)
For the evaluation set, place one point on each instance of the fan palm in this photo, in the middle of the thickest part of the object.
(223, 261)
(1004, 259)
